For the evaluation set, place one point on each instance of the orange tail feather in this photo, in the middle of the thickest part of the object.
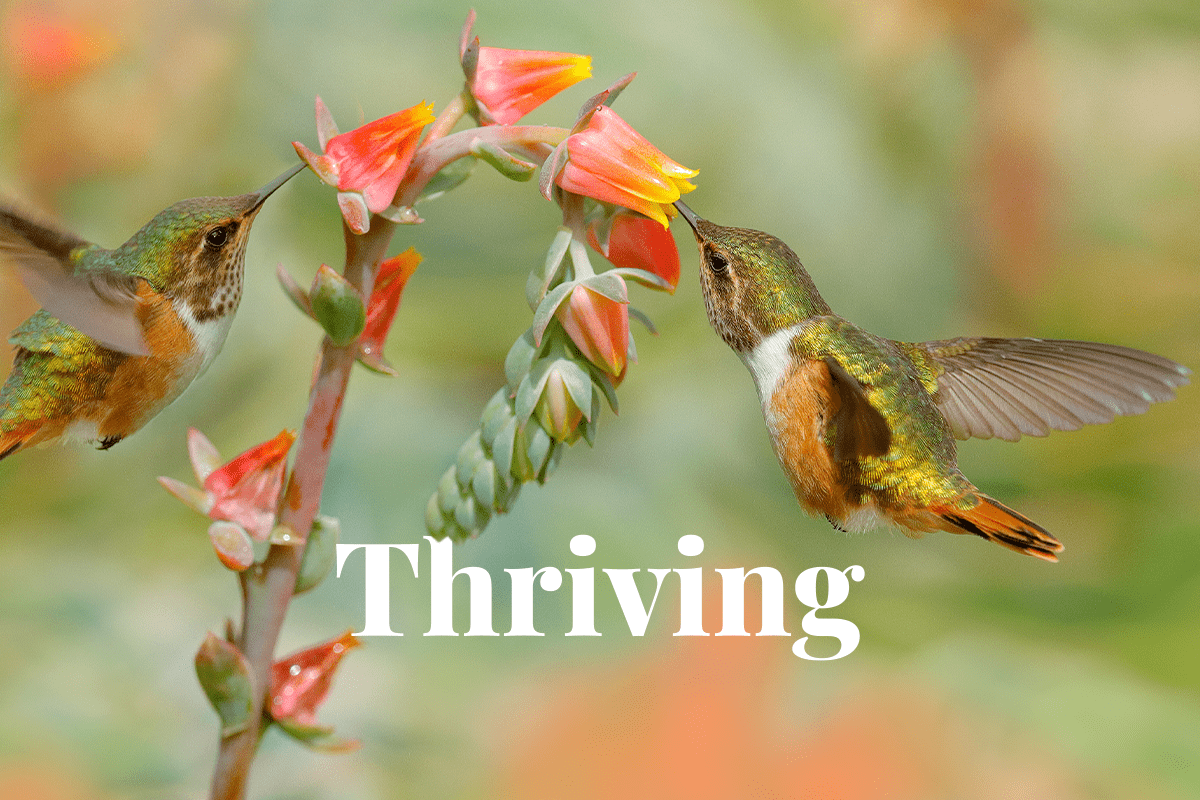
(17, 438)
(996, 522)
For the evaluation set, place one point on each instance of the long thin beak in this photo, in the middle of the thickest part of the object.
(691, 216)
(262, 194)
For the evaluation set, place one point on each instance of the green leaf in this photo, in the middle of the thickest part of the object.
(540, 445)
(520, 357)
(545, 310)
(609, 284)
(537, 285)
(465, 515)
(448, 493)
(449, 177)
(317, 737)
(644, 277)
(531, 388)
(320, 553)
(225, 677)
(294, 291)
(483, 483)
(435, 523)
(642, 318)
(469, 456)
(502, 448)
(578, 383)
(502, 161)
(492, 423)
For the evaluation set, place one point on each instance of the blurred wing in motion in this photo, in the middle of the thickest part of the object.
(1009, 387)
(101, 303)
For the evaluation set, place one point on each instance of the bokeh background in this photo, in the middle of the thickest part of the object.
(943, 167)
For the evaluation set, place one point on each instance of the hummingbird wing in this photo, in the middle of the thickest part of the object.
(101, 302)
(859, 429)
(1008, 387)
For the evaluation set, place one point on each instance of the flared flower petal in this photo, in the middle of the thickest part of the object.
(246, 490)
(241, 496)
(599, 327)
(636, 242)
(300, 681)
(508, 84)
(611, 162)
(381, 309)
(369, 162)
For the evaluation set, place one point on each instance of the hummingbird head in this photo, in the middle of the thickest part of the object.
(195, 250)
(753, 283)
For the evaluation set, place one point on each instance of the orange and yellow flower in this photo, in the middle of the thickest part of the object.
(368, 163)
(611, 162)
(381, 308)
(508, 84)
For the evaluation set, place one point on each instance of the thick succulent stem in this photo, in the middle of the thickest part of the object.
(267, 588)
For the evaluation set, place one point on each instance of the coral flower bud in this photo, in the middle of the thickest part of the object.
(599, 327)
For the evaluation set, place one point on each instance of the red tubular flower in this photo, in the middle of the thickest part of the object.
(508, 84)
(300, 681)
(599, 327)
(637, 242)
(368, 163)
(611, 162)
(244, 491)
(381, 309)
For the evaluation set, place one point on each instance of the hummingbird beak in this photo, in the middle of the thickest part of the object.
(689, 215)
(262, 194)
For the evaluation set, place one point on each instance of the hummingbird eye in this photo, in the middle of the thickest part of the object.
(216, 237)
(717, 263)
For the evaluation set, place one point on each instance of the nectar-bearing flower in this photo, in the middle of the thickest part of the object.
(367, 164)
(381, 308)
(508, 84)
(611, 162)
(299, 684)
(631, 241)
(244, 491)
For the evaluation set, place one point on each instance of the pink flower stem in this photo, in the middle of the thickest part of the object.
(267, 588)
(532, 142)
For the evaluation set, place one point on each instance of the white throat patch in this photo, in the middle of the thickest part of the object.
(770, 360)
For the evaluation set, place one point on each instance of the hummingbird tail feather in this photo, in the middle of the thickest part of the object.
(15, 439)
(996, 522)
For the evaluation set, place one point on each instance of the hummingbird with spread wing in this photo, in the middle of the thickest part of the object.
(121, 332)
(865, 427)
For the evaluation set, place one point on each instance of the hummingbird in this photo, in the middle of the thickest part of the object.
(121, 332)
(865, 427)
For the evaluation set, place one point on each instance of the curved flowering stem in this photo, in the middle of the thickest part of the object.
(534, 142)
(267, 588)
(569, 361)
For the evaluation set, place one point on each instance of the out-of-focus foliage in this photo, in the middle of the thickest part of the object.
(942, 168)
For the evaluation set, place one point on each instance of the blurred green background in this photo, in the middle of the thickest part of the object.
(943, 167)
